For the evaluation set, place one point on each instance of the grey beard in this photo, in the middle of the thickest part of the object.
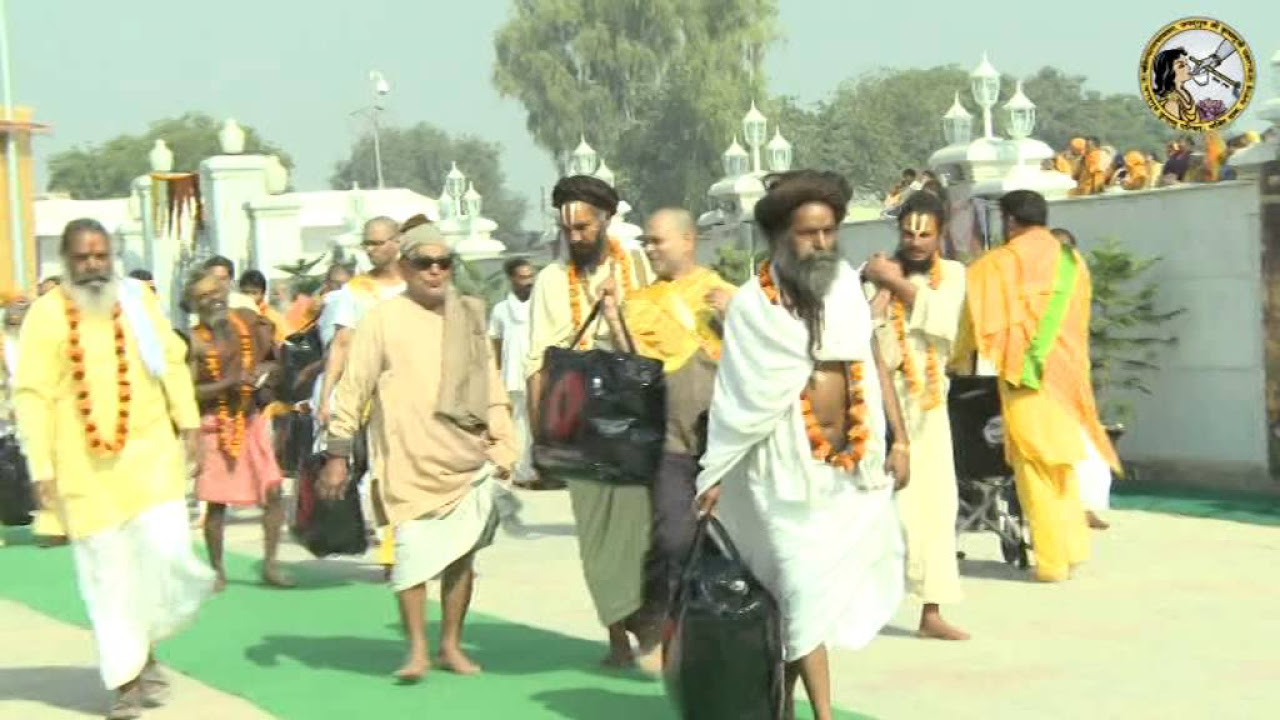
(94, 300)
(806, 280)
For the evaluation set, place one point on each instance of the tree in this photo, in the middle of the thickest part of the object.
(108, 170)
(419, 157)
(878, 124)
(645, 82)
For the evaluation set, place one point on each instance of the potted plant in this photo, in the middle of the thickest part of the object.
(1125, 335)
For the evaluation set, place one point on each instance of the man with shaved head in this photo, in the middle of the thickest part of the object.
(677, 320)
(345, 308)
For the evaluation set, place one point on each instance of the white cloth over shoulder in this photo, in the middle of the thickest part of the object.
(134, 309)
(826, 543)
(140, 582)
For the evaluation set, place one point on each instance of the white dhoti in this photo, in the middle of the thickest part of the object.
(523, 471)
(141, 582)
(825, 542)
(1094, 476)
(428, 545)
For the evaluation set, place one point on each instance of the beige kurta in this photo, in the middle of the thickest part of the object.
(928, 505)
(422, 462)
(612, 521)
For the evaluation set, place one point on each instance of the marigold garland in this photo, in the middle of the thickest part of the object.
(858, 434)
(80, 384)
(231, 426)
(578, 285)
(933, 369)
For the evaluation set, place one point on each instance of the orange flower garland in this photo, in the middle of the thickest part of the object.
(79, 383)
(858, 434)
(578, 285)
(231, 428)
(933, 370)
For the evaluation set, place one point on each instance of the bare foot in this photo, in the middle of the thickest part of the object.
(1096, 522)
(386, 572)
(935, 628)
(619, 660)
(220, 583)
(456, 661)
(272, 576)
(415, 668)
(650, 663)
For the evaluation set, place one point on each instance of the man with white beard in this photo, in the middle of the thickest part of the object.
(796, 466)
(101, 385)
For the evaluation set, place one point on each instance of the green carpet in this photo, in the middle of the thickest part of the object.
(1236, 507)
(325, 651)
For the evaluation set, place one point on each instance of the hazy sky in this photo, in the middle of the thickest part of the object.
(295, 69)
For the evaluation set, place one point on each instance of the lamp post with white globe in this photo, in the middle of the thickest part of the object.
(984, 82)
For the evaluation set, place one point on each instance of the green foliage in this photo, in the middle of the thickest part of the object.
(419, 157)
(1124, 332)
(107, 170)
(471, 280)
(736, 265)
(876, 125)
(645, 82)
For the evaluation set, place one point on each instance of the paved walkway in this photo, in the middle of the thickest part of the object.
(1164, 623)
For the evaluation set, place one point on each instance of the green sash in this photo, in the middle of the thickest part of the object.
(1064, 282)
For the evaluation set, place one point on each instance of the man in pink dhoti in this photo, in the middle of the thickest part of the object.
(232, 361)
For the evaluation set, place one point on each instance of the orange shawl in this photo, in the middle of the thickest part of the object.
(1009, 290)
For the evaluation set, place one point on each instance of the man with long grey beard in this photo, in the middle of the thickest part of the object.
(796, 466)
(102, 383)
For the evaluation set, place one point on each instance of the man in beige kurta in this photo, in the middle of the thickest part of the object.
(917, 299)
(613, 521)
(439, 434)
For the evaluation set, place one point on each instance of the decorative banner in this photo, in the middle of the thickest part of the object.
(1197, 74)
(178, 211)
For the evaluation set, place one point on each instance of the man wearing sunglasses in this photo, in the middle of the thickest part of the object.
(440, 437)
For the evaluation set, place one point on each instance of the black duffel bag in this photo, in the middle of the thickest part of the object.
(977, 427)
(328, 527)
(16, 500)
(602, 414)
(722, 648)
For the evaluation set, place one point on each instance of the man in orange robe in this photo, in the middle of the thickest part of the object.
(1028, 315)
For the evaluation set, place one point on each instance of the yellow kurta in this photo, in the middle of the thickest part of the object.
(97, 493)
(929, 503)
(1009, 291)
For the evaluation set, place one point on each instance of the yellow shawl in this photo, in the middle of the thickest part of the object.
(671, 320)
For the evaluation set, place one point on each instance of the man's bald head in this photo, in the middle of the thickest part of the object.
(381, 236)
(670, 241)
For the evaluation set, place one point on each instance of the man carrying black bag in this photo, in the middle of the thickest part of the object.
(612, 518)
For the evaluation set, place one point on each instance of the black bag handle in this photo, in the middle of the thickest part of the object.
(706, 525)
(593, 318)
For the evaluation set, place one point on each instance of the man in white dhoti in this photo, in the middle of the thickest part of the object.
(509, 329)
(796, 465)
(102, 383)
(917, 299)
(440, 437)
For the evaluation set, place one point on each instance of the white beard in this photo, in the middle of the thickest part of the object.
(100, 301)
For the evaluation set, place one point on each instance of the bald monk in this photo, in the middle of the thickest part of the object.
(1028, 315)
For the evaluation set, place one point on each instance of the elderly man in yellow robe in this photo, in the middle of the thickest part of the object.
(1028, 316)
(677, 320)
(102, 383)
(612, 521)
(916, 302)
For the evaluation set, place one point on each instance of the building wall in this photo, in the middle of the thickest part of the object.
(26, 185)
(1206, 420)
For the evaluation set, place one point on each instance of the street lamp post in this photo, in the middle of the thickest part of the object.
(984, 81)
(754, 126)
(11, 151)
(380, 90)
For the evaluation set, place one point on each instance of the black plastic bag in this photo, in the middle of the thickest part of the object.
(602, 414)
(977, 427)
(16, 500)
(328, 527)
(301, 360)
(722, 650)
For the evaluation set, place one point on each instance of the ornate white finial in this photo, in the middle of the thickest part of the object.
(161, 158)
(231, 137)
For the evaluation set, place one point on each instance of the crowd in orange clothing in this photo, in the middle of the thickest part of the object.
(1097, 168)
